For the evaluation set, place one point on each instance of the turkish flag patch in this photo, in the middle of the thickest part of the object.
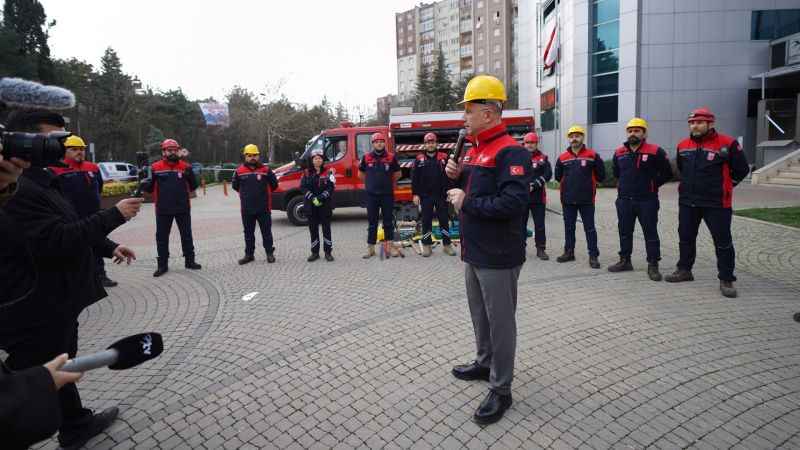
(517, 170)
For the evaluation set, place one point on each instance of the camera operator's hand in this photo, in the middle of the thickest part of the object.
(130, 207)
(61, 378)
(123, 253)
(11, 170)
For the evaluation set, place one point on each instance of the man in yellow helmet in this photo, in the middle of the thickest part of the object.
(578, 170)
(640, 168)
(255, 182)
(82, 184)
(493, 194)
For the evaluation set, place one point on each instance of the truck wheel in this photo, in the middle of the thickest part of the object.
(296, 212)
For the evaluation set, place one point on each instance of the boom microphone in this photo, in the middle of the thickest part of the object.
(123, 354)
(19, 93)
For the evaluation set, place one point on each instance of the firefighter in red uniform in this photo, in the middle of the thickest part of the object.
(255, 182)
(578, 170)
(542, 172)
(429, 184)
(710, 165)
(640, 168)
(318, 189)
(379, 171)
(171, 182)
(82, 184)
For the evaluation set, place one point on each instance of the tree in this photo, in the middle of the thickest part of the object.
(441, 91)
(25, 34)
(422, 90)
(461, 86)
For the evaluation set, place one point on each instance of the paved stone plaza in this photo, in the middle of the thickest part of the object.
(357, 354)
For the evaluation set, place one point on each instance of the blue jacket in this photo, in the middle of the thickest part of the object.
(542, 173)
(710, 167)
(255, 186)
(318, 185)
(578, 175)
(642, 172)
(379, 172)
(496, 174)
(171, 184)
(427, 177)
(81, 184)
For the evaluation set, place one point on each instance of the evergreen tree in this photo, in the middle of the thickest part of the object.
(441, 90)
(422, 94)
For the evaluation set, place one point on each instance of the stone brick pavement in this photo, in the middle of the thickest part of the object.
(356, 354)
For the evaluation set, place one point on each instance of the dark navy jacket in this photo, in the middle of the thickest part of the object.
(542, 171)
(710, 167)
(171, 184)
(255, 188)
(82, 184)
(427, 177)
(318, 185)
(578, 176)
(379, 172)
(495, 175)
(642, 172)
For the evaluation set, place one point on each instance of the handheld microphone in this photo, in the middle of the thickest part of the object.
(123, 354)
(456, 155)
(19, 93)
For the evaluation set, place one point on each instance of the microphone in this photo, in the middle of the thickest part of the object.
(456, 155)
(123, 354)
(19, 93)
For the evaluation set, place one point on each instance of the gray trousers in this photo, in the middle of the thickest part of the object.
(492, 295)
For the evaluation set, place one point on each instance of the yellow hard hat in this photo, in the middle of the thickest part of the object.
(576, 129)
(484, 87)
(250, 149)
(637, 122)
(74, 141)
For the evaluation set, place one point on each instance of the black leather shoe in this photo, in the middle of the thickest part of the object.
(471, 371)
(313, 257)
(270, 258)
(246, 259)
(107, 282)
(99, 423)
(492, 408)
(160, 271)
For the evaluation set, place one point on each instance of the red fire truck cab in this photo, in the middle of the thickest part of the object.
(343, 148)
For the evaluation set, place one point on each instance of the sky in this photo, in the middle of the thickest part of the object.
(344, 50)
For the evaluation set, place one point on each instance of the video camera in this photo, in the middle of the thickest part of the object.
(41, 150)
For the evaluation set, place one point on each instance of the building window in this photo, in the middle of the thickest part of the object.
(774, 23)
(497, 31)
(480, 51)
(604, 86)
(496, 48)
(497, 17)
(481, 68)
(496, 64)
(480, 4)
(480, 36)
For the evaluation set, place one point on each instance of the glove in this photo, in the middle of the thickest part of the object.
(316, 202)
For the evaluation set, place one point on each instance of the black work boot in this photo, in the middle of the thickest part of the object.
(569, 255)
(471, 371)
(679, 276)
(727, 289)
(541, 254)
(652, 272)
(162, 267)
(328, 256)
(593, 262)
(270, 257)
(623, 265)
(190, 263)
(313, 257)
(492, 408)
(246, 259)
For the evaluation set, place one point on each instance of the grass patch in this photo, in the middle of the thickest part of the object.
(785, 216)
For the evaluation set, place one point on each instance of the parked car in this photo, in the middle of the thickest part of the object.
(118, 171)
(197, 168)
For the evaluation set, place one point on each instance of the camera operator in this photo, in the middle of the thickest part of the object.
(45, 325)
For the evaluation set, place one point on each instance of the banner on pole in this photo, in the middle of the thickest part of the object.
(215, 114)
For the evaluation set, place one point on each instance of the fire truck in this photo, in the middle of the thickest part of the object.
(344, 147)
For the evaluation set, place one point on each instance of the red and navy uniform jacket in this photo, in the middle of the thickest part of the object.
(578, 175)
(171, 183)
(542, 172)
(709, 168)
(255, 186)
(428, 178)
(82, 184)
(640, 173)
(495, 175)
(320, 185)
(379, 172)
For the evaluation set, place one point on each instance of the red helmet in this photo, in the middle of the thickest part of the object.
(378, 137)
(170, 143)
(430, 137)
(531, 137)
(701, 114)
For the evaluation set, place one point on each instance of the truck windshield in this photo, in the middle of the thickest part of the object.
(314, 143)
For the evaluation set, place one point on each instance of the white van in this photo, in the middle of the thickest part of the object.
(118, 171)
